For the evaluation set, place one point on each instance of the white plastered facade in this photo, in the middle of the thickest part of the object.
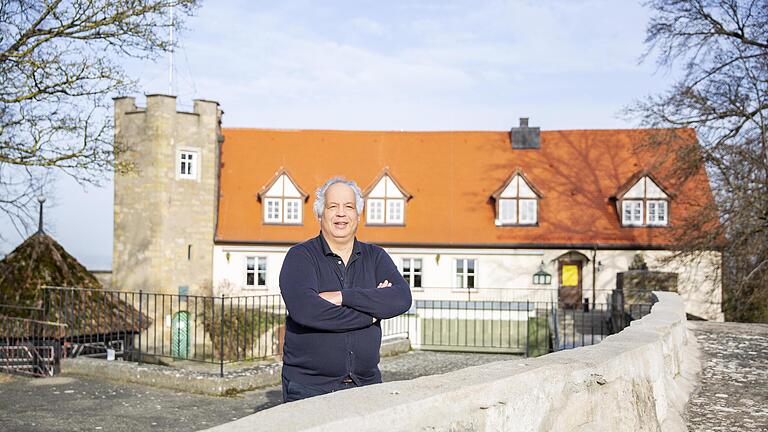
(500, 274)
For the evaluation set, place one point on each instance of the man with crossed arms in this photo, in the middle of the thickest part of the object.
(336, 290)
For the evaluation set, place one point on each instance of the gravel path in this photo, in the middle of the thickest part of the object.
(733, 392)
(81, 404)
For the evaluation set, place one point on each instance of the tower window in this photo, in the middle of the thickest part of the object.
(187, 165)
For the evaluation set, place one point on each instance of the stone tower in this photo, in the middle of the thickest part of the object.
(165, 206)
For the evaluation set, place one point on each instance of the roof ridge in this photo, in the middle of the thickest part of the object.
(440, 131)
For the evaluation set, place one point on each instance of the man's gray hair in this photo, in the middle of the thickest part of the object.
(319, 205)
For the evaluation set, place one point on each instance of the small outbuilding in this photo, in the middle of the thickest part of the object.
(41, 282)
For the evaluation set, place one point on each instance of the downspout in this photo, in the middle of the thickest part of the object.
(594, 277)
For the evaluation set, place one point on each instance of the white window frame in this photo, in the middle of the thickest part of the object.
(369, 216)
(659, 205)
(523, 202)
(286, 213)
(259, 268)
(410, 276)
(634, 219)
(192, 162)
(268, 216)
(465, 274)
(508, 202)
(392, 216)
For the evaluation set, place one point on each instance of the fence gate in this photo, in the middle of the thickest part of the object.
(30, 347)
(180, 335)
(30, 359)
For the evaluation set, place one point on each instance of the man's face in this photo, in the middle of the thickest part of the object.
(339, 220)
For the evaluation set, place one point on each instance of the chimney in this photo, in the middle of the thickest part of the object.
(525, 137)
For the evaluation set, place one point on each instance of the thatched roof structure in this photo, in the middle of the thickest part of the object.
(40, 261)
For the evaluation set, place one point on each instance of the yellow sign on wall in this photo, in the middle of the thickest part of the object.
(570, 275)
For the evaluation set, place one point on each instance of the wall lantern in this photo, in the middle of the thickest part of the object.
(541, 277)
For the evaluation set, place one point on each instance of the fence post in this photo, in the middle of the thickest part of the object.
(141, 295)
(618, 309)
(46, 308)
(221, 340)
(527, 330)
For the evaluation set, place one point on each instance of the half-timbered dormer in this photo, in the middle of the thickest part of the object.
(517, 202)
(643, 203)
(385, 201)
(282, 200)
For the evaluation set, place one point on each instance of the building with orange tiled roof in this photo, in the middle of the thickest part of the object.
(466, 214)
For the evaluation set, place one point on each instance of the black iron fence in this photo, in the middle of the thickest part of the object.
(521, 327)
(156, 327)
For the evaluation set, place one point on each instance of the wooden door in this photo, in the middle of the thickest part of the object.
(569, 290)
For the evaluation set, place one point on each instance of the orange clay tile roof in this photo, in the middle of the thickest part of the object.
(452, 176)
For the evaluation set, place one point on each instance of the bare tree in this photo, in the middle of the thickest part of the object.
(60, 62)
(720, 47)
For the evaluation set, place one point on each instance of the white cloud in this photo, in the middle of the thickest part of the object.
(369, 26)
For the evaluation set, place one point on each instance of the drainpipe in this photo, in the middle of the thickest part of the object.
(594, 276)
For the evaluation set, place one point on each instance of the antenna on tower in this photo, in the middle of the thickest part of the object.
(170, 63)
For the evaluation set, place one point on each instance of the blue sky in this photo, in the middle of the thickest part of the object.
(394, 65)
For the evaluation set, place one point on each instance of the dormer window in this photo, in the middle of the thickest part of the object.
(633, 212)
(385, 201)
(517, 202)
(282, 201)
(657, 212)
(644, 203)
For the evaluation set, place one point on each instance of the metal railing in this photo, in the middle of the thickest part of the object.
(152, 327)
(521, 327)
(397, 327)
(544, 293)
(156, 327)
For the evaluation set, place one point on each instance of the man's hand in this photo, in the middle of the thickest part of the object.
(335, 296)
(332, 297)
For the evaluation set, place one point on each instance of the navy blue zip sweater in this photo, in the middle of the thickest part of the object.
(325, 343)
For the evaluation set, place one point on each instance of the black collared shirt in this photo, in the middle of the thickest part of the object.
(325, 343)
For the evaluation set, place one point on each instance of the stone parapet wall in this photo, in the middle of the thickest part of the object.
(638, 380)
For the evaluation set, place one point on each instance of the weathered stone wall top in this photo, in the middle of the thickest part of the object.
(636, 380)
